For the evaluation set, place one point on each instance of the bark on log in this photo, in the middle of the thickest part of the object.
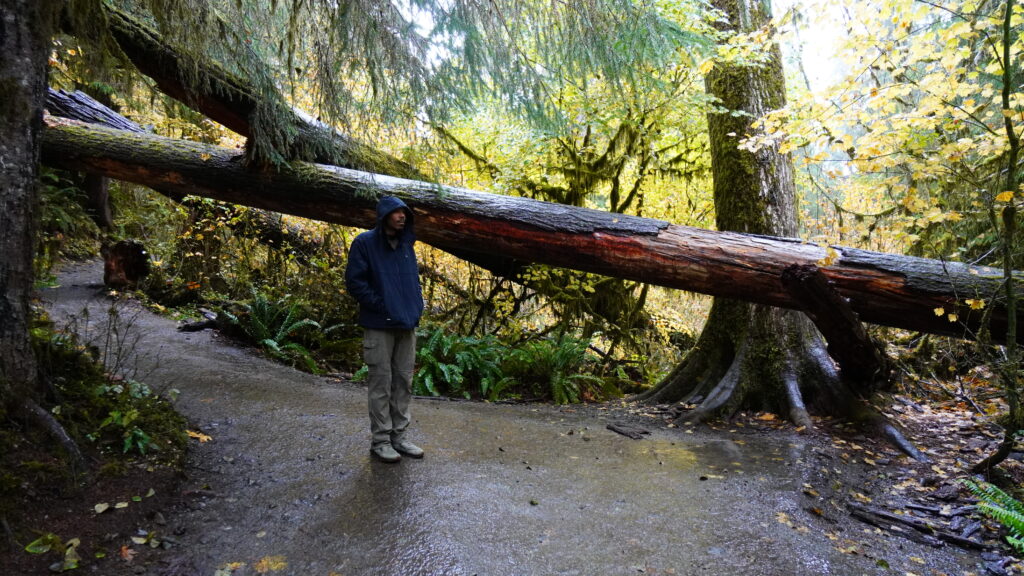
(232, 101)
(887, 289)
(80, 106)
(264, 226)
(860, 361)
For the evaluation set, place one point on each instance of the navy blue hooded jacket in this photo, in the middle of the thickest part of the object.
(385, 280)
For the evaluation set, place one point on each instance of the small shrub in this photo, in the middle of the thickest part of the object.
(271, 324)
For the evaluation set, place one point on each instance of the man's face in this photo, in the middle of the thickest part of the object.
(395, 222)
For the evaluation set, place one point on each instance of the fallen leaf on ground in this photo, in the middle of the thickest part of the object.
(270, 564)
(127, 554)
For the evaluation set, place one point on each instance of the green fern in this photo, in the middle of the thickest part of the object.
(555, 368)
(1002, 508)
(456, 365)
(271, 324)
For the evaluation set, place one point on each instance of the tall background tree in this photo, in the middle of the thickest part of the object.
(749, 356)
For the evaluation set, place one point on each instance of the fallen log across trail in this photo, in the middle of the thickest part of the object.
(887, 289)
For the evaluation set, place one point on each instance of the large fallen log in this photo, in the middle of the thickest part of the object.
(887, 289)
(267, 227)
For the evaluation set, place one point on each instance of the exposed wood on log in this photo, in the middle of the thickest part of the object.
(900, 291)
(80, 106)
(860, 361)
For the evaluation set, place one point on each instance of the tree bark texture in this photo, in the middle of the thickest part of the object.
(748, 356)
(232, 101)
(858, 357)
(25, 29)
(885, 289)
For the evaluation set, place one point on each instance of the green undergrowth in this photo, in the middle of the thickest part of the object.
(115, 423)
(557, 369)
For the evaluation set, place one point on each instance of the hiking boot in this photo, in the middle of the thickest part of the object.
(408, 448)
(385, 453)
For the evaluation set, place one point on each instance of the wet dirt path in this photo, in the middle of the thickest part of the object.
(503, 490)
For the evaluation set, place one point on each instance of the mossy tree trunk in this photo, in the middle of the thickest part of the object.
(748, 356)
(25, 30)
(25, 27)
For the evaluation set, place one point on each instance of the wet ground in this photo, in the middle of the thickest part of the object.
(286, 485)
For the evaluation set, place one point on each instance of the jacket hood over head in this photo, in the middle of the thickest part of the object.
(389, 204)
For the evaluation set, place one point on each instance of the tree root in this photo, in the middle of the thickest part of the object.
(721, 393)
(900, 441)
(996, 458)
(857, 410)
(34, 413)
(797, 409)
(12, 542)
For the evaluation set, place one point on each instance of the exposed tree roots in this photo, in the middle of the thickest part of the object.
(35, 414)
(1002, 452)
(772, 364)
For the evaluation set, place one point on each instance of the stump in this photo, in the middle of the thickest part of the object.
(125, 264)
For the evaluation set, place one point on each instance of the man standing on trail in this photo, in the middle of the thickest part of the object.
(383, 276)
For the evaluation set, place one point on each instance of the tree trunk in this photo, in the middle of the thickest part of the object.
(744, 351)
(24, 41)
(232, 101)
(25, 30)
(887, 289)
(750, 356)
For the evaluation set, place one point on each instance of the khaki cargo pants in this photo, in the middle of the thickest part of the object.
(390, 356)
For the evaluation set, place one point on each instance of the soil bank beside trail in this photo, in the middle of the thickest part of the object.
(287, 480)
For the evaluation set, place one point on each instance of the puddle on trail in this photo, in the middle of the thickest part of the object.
(510, 492)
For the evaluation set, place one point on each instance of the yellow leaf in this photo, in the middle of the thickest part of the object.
(861, 498)
(1005, 196)
(830, 257)
(766, 416)
(939, 311)
(198, 436)
(270, 564)
(975, 304)
(952, 317)
(204, 156)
